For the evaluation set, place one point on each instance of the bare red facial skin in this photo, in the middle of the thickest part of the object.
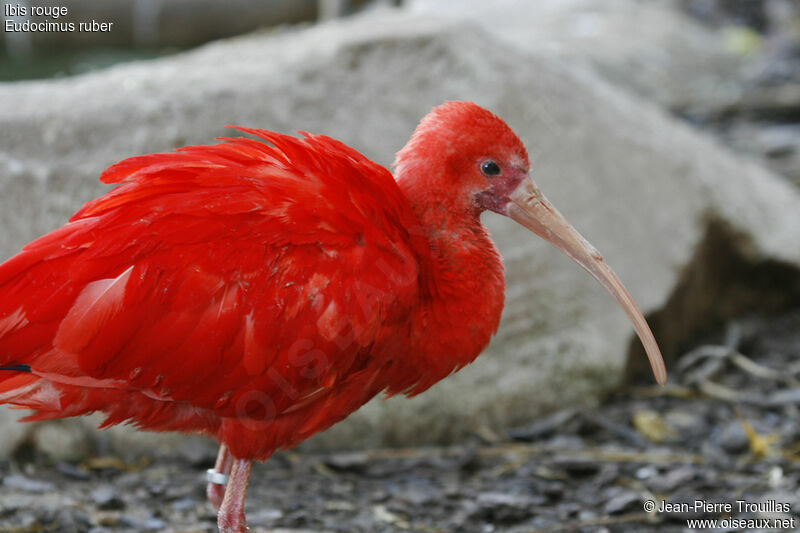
(497, 196)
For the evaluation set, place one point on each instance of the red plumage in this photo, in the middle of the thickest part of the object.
(261, 292)
(209, 288)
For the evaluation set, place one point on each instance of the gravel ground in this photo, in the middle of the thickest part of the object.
(725, 429)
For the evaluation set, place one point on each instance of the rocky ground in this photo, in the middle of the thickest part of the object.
(758, 113)
(725, 429)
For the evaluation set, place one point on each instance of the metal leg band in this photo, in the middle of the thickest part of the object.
(217, 478)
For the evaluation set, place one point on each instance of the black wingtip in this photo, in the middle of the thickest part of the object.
(17, 368)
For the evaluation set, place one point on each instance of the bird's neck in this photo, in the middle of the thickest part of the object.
(465, 280)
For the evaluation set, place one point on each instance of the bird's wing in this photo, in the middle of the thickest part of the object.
(217, 272)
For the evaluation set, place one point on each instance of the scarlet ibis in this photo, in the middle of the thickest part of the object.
(260, 293)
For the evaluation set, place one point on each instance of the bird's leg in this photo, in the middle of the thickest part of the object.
(230, 517)
(218, 477)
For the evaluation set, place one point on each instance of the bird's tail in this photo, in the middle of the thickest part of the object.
(23, 389)
(16, 383)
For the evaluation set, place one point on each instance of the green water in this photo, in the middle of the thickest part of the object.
(71, 63)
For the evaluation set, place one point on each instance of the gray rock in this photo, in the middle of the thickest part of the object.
(733, 439)
(107, 498)
(264, 517)
(72, 471)
(20, 482)
(71, 521)
(670, 210)
(578, 469)
(544, 427)
(649, 48)
(184, 504)
(626, 501)
(673, 479)
(503, 508)
(143, 524)
(646, 472)
(347, 462)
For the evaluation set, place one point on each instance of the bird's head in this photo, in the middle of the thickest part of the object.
(468, 160)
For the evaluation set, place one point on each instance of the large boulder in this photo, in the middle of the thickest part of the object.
(668, 207)
(650, 48)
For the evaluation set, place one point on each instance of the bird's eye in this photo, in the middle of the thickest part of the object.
(490, 168)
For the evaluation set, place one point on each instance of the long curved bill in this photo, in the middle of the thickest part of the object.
(531, 209)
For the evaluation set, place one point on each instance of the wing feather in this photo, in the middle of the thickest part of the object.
(240, 280)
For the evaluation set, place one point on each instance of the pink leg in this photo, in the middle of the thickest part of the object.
(230, 517)
(216, 490)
